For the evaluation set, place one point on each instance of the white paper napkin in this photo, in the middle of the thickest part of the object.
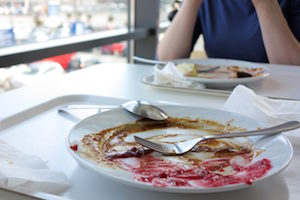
(27, 172)
(169, 75)
(270, 111)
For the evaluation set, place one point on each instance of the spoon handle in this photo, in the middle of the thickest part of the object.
(287, 126)
(84, 107)
(149, 61)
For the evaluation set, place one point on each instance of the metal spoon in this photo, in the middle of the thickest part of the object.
(199, 68)
(139, 108)
(146, 110)
(149, 61)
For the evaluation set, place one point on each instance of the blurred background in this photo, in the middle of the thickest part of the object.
(25, 24)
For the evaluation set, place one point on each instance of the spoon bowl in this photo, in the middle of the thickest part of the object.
(145, 109)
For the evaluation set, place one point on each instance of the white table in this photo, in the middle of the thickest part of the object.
(123, 81)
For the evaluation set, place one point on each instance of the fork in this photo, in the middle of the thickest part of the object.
(186, 146)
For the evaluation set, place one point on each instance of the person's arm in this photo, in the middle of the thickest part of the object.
(281, 45)
(177, 40)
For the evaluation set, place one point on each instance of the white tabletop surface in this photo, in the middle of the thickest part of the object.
(123, 81)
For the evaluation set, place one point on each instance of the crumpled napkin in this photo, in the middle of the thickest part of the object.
(169, 75)
(271, 112)
(244, 101)
(27, 172)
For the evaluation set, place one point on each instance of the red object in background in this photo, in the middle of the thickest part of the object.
(113, 48)
(118, 47)
(63, 60)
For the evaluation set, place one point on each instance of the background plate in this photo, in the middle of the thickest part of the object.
(148, 80)
(226, 83)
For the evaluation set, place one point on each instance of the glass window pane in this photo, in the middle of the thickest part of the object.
(53, 67)
(31, 21)
(27, 21)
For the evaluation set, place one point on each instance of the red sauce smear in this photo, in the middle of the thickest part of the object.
(162, 173)
(133, 152)
(74, 147)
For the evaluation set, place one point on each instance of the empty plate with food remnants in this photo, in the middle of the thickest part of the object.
(221, 73)
(104, 144)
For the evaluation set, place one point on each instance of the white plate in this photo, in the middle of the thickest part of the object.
(226, 83)
(149, 80)
(277, 148)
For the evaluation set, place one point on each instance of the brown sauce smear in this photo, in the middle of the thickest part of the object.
(110, 147)
(102, 146)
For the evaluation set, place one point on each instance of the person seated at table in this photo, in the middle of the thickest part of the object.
(253, 30)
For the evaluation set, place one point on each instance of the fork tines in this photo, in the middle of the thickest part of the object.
(149, 144)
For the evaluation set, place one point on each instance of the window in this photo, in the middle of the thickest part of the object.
(29, 21)
(76, 33)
